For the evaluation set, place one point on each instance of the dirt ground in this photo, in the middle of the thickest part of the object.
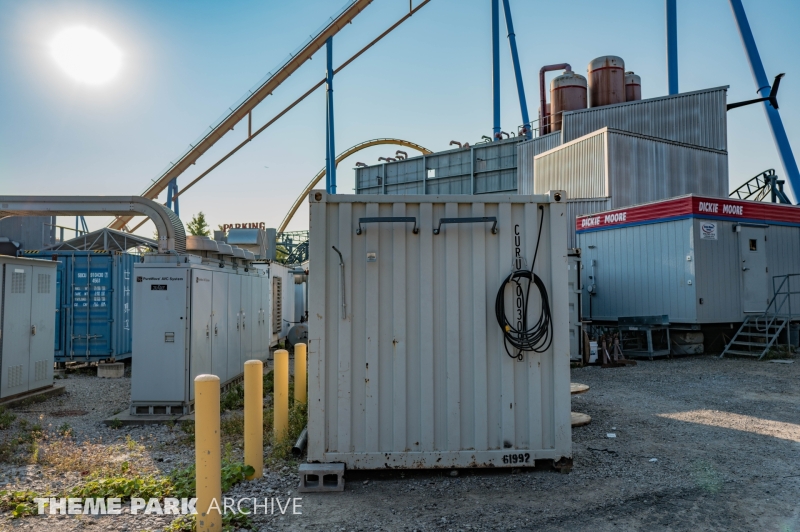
(725, 436)
(701, 444)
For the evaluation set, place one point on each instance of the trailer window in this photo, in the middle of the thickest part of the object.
(753, 245)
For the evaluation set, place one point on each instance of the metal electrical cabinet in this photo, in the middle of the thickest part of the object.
(407, 365)
(27, 318)
(94, 304)
(193, 317)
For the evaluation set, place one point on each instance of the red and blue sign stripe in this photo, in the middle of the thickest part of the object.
(691, 206)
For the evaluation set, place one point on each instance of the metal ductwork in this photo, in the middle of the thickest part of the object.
(171, 233)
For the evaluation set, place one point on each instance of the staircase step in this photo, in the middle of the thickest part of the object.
(737, 342)
(744, 353)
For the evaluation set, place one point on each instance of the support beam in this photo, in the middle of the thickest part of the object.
(763, 89)
(172, 196)
(512, 41)
(496, 70)
(672, 47)
(330, 150)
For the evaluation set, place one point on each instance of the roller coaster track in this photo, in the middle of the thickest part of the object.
(342, 156)
(242, 109)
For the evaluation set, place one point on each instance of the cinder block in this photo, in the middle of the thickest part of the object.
(321, 477)
(111, 371)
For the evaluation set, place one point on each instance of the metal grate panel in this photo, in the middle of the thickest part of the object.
(14, 376)
(277, 304)
(44, 283)
(18, 282)
(40, 370)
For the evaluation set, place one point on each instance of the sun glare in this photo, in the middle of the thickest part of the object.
(86, 55)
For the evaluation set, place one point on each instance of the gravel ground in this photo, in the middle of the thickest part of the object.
(701, 444)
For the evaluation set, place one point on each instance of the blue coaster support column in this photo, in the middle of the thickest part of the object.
(330, 149)
(763, 89)
(672, 47)
(512, 41)
(496, 69)
(172, 195)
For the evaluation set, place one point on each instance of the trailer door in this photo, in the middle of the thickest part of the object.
(756, 289)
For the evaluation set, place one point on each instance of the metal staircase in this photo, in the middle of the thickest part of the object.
(760, 332)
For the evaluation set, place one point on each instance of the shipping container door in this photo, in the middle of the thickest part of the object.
(43, 288)
(234, 325)
(248, 321)
(200, 346)
(219, 319)
(16, 329)
(756, 291)
(60, 314)
(123, 305)
(91, 307)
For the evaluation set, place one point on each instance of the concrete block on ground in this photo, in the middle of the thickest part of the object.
(321, 477)
(111, 371)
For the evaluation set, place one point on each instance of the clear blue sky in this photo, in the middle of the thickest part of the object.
(428, 82)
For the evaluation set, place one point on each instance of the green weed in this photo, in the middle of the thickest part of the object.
(6, 418)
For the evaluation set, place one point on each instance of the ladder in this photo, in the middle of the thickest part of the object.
(759, 332)
(756, 336)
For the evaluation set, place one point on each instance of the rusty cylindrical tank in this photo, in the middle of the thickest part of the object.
(567, 93)
(606, 81)
(633, 87)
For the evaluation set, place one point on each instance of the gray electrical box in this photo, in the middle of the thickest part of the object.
(27, 318)
(194, 316)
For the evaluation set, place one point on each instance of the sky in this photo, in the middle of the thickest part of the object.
(429, 81)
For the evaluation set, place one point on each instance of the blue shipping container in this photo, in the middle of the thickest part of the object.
(93, 304)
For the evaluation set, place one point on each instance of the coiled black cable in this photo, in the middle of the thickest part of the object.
(538, 337)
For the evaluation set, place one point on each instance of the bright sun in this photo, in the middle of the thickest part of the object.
(86, 55)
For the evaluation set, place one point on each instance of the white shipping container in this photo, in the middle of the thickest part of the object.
(407, 365)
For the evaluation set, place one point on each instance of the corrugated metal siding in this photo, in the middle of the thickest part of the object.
(631, 169)
(783, 258)
(526, 151)
(698, 118)
(718, 275)
(30, 231)
(481, 169)
(579, 207)
(643, 169)
(416, 375)
(103, 300)
(641, 271)
(578, 167)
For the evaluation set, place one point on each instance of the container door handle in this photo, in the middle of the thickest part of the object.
(389, 219)
(472, 220)
(33, 330)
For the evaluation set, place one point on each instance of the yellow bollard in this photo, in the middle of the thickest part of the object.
(300, 373)
(207, 453)
(281, 404)
(254, 417)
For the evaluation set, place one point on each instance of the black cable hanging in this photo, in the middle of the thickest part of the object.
(538, 337)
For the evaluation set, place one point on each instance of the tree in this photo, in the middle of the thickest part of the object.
(198, 225)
